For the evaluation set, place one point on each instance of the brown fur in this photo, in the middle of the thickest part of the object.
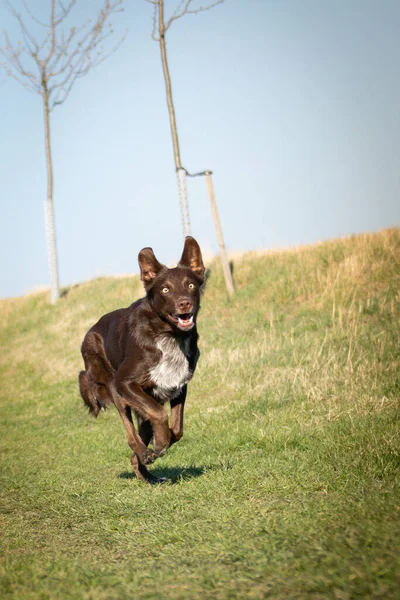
(140, 357)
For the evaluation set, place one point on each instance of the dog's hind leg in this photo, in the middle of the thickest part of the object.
(95, 382)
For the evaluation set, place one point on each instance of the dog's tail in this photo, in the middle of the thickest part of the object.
(91, 394)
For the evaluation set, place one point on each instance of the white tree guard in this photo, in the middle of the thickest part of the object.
(51, 249)
(183, 199)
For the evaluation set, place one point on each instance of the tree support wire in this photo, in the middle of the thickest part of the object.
(223, 254)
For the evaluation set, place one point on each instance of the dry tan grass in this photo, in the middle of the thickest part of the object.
(346, 277)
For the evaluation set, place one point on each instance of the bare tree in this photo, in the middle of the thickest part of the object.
(49, 65)
(160, 28)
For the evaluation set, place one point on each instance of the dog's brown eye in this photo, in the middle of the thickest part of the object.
(165, 290)
(191, 286)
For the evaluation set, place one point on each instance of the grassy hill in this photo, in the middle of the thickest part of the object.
(285, 484)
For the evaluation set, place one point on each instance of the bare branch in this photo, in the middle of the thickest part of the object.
(53, 33)
(13, 66)
(203, 8)
(64, 54)
(183, 8)
(82, 65)
(156, 27)
(21, 80)
(186, 10)
(24, 30)
(65, 11)
(179, 12)
(32, 16)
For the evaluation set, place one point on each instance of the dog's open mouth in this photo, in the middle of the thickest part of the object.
(183, 321)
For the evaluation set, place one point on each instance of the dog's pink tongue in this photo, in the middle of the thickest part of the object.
(185, 322)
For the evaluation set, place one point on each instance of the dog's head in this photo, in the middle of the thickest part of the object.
(174, 293)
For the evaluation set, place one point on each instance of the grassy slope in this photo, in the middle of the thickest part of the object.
(286, 481)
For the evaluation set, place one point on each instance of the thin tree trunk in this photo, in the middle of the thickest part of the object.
(181, 173)
(168, 87)
(49, 210)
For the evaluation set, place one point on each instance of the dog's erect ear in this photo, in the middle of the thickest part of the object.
(191, 258)
(149, 266)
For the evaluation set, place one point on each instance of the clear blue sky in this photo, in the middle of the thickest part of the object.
(294, 105)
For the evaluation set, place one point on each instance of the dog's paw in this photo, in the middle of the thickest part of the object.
(160, 451)
(161, 443)
(148, 456)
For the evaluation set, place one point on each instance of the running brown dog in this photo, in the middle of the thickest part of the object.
(141, 357)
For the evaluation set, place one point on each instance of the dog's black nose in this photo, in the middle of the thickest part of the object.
(185, 305)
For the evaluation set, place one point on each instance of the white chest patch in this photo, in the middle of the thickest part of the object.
(172, 371)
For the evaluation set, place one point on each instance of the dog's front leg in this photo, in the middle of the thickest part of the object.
(141, 454)
(149, 409)
(177, 408)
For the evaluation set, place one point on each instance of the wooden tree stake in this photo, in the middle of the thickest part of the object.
(218, 228)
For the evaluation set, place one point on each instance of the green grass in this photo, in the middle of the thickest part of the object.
(286, 483)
